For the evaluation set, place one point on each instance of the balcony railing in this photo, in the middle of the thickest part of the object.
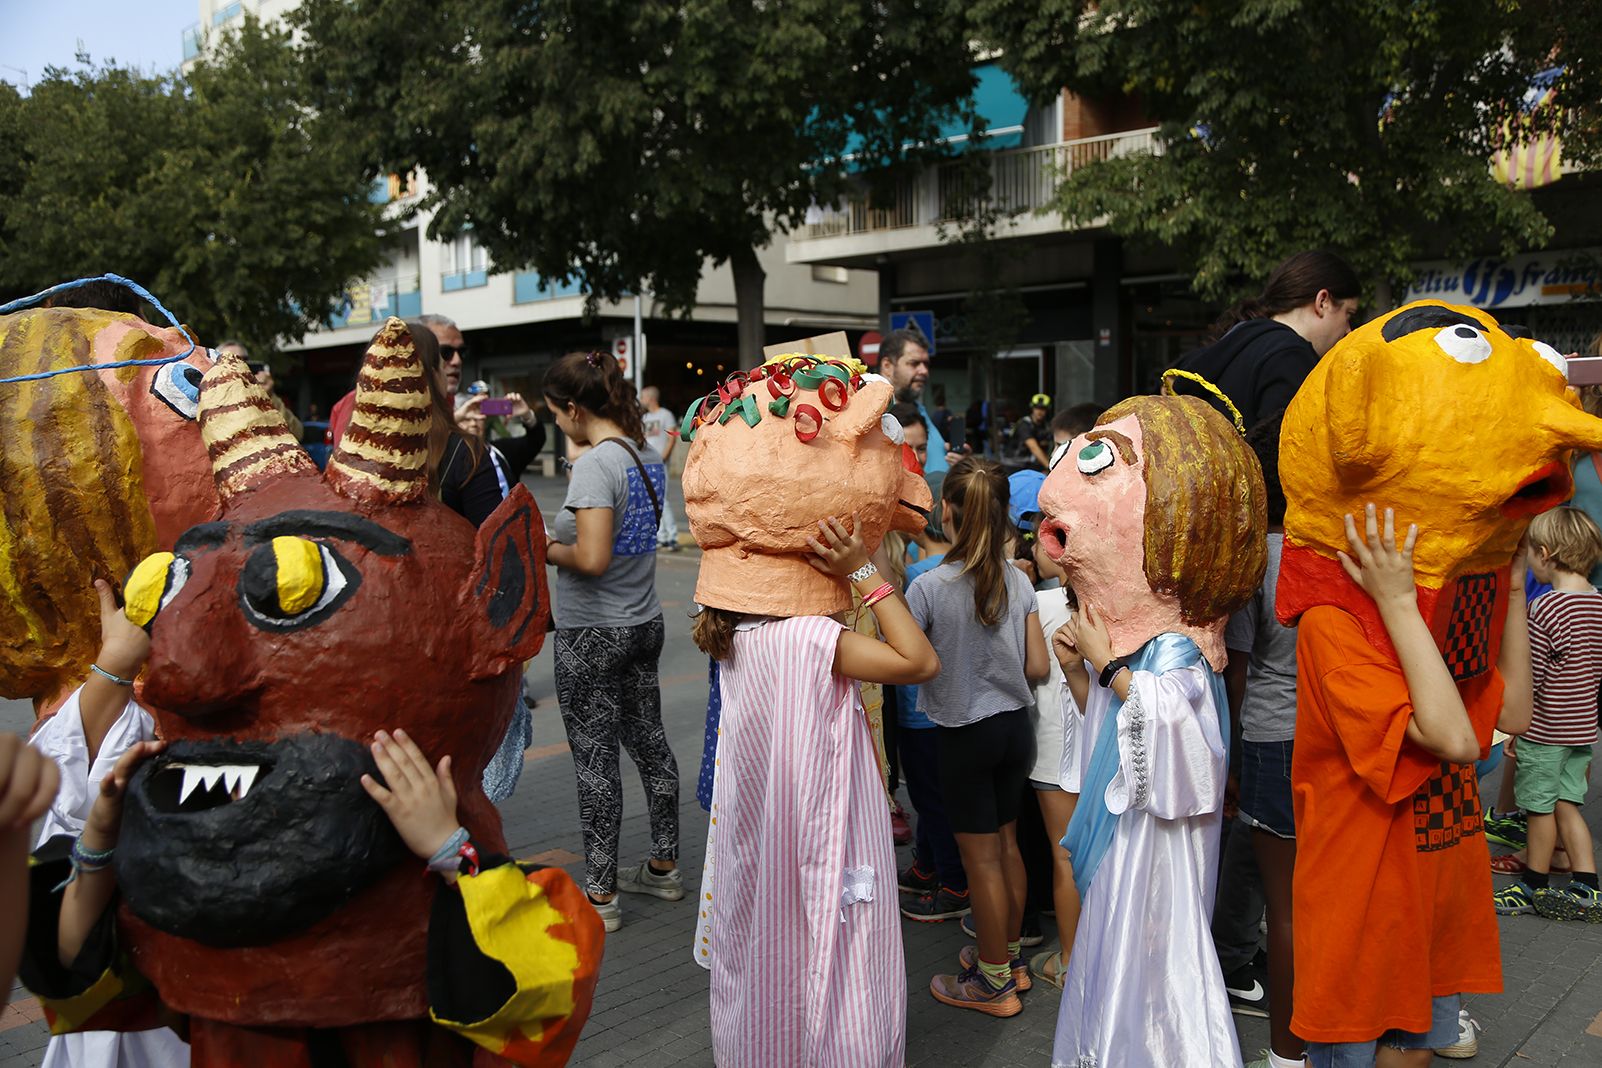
(1022, 181)
(191, 39)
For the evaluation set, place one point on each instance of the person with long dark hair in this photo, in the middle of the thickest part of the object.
(609, 626)
(1262, 347)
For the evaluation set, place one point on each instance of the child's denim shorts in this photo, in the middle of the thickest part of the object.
(1265, 787)
(1442, 1033)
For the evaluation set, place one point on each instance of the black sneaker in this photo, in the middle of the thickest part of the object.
(1247, 994)
(937, 907)
(914, 880)
(1509, 828)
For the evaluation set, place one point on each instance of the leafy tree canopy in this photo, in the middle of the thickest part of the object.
(213, 189)
(1365, 126)
(625, 142)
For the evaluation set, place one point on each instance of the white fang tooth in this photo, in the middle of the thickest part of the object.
(231, 777)
(247, 779)
(210, 776)
(191, 780)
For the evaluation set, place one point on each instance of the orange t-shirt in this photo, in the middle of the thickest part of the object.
(1392, 892)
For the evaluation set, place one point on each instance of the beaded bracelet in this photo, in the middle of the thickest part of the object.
(867, 570)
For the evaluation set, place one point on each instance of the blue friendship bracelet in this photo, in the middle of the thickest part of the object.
(447, 858)
(82, 859)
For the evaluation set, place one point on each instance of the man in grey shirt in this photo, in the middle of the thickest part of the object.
(659, 423)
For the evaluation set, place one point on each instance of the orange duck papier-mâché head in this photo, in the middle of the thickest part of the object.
(1159, 516)
(773, 451)
(262, 886)
(1437, 413)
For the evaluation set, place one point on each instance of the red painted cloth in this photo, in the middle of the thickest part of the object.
(339, 418)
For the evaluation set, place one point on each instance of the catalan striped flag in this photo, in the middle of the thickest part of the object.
(1531, 162)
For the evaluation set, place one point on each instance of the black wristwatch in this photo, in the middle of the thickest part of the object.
(1110, 672)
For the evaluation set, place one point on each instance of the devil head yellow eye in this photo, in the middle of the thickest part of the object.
(291, 582)
(152, 585)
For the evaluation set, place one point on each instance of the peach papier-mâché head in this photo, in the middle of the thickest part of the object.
(1436, 412)
(772, 452)
(1159, 516)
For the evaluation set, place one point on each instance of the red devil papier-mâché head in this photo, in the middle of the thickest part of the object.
(262, 886)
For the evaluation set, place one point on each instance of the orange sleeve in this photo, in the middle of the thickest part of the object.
(1366, 703)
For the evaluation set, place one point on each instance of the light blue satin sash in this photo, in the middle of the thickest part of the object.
(1090, 831)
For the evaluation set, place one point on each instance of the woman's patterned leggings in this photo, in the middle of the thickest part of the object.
(606, 683)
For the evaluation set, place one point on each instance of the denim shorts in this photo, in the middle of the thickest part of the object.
(1442, 1033)
(1265, 787)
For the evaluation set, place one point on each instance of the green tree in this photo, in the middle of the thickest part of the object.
(627, 142)
(215, 190)
(1365, 126)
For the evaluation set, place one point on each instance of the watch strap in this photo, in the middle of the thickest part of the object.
(1110, 672)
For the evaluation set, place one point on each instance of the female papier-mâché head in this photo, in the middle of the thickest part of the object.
(1436, 412)
(1158, 514)
(262, 885)
(773, 451)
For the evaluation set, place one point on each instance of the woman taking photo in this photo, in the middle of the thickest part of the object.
(609, 626)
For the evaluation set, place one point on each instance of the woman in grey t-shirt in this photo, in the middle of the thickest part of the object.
(609, 626)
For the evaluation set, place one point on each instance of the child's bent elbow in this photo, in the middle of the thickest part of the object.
(925, 669)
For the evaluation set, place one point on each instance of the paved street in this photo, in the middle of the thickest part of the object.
(652, 1003)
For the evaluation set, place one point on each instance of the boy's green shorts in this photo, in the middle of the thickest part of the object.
(1548, 774)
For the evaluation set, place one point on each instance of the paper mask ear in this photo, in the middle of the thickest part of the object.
(866, 410)
(507, 595)
(1346, 399)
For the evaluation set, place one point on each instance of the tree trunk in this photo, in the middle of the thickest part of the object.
(1384, 296)
(749, 279)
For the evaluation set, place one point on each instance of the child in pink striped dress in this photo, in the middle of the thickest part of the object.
(798, 917)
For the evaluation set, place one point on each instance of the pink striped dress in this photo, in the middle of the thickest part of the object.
(798, 919)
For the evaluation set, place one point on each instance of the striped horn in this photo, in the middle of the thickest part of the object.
(246, 437)
(383, 455)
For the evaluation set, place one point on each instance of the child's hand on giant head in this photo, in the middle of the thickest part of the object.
(1520, 565)
(840, 550)
(124, 645)
(100, 830)
(1379, 567)
(28, 781)
(1067, 653)
(418, 799)
(1090, 635)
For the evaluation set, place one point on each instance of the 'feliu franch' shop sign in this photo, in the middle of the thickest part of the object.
(1493, 282)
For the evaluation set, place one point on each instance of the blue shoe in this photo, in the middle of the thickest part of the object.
(1515, 900)
(1588, 901)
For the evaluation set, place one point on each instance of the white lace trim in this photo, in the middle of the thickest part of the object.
(1139, 764)
(856, 885)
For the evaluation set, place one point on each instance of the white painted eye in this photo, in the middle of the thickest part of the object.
(892, 429)
(1553, 357)
(177, 385)
(1097, 456)
(1058, 454)
(177, 575)
(1465, 344)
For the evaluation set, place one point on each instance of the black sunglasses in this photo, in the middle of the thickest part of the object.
(448, 351)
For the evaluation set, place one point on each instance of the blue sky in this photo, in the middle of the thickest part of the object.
(146, 34)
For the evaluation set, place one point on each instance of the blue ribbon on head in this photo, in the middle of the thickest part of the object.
(1090, 831)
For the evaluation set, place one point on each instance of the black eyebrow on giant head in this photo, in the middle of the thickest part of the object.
(201, 536)
(343, 525)
(1429, 317)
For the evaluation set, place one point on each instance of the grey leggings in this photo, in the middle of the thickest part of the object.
(606, 683)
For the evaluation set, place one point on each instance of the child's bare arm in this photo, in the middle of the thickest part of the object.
(905, 657)
(88, 895)
(124, 648)
(1440, 723)
(1037, 662)
(1514, 661)
(1073, 664)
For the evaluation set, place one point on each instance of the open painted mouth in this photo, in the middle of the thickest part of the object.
(1053, 537)
(236, 843)
(1539, 491)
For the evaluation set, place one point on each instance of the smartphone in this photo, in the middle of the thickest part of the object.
(957, 433)
(1585, 370)
(495, 406)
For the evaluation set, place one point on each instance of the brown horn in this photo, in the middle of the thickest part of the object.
(246, 437)
(383, 455)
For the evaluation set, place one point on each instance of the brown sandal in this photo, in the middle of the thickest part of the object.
(1510, 864)
(1047, 967)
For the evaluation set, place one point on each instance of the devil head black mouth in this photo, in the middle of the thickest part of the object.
(244, 843)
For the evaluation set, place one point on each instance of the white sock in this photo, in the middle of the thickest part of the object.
(1276, 1061)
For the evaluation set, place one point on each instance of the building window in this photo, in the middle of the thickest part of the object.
(226, 12)
(466, 264)
(822, 272)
